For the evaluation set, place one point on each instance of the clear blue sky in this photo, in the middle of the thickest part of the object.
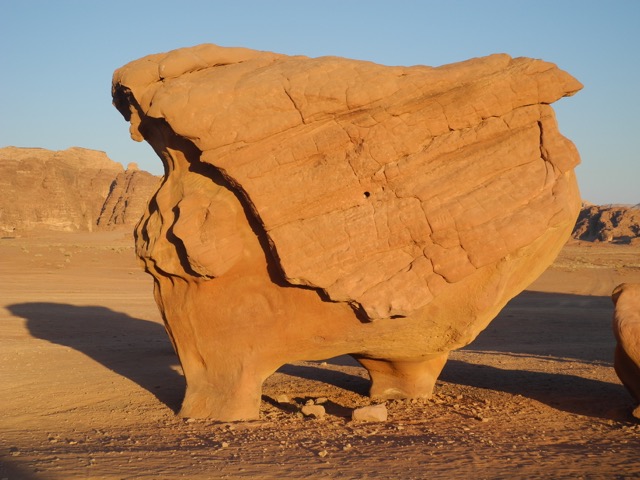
(57, 58)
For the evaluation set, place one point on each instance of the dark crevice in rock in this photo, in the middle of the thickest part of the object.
(274, 269)
(216, 175)
(160, 135)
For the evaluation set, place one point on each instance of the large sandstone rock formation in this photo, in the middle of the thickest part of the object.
(313, 207)
(616, 224)
(69, 190)
(626, 328)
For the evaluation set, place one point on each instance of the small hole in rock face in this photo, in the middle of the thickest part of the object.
(367, 194)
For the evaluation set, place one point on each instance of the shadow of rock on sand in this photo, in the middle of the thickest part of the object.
(548, 327)
(558, 328)
(565, 326)
(134, 348)
(346, 381)
(9, 471)
(569, 393)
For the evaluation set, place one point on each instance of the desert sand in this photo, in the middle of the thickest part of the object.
(91, 384)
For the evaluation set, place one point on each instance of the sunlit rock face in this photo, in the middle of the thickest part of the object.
(626, 328)
(313, 207)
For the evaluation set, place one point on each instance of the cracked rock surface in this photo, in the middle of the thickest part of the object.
(406, 204)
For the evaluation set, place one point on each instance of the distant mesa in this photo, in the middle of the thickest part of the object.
(69, 190)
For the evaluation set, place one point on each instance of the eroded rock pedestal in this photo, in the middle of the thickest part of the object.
(313, 207)
(626, 328)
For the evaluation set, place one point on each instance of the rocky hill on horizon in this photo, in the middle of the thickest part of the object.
(76, 189)
(608, 223)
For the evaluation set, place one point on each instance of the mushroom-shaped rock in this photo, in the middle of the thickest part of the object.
(626, 328)
(313, 207)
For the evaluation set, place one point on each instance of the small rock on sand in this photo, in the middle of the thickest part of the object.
(371, 413)
(316, 411)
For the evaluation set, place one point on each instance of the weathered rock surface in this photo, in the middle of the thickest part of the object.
(615, 224)
(69, 190)
(313, 207)
(626, 328)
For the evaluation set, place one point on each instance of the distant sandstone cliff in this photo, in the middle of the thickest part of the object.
(69, 190)
(127, 199)
(609, 223)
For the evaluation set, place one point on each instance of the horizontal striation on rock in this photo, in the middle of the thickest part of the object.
(379, 185)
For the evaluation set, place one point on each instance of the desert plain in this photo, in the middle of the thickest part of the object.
(91, 384)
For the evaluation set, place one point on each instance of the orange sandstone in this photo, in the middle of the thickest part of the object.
(313, 207)
(626, 328)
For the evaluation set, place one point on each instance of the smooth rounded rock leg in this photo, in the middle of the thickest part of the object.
(228, 399)
(403, 379)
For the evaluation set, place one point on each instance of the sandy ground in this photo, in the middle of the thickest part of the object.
(90, 385)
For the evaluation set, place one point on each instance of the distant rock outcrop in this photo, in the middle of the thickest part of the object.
(68, 190)
(127, 199)
(609, 223)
